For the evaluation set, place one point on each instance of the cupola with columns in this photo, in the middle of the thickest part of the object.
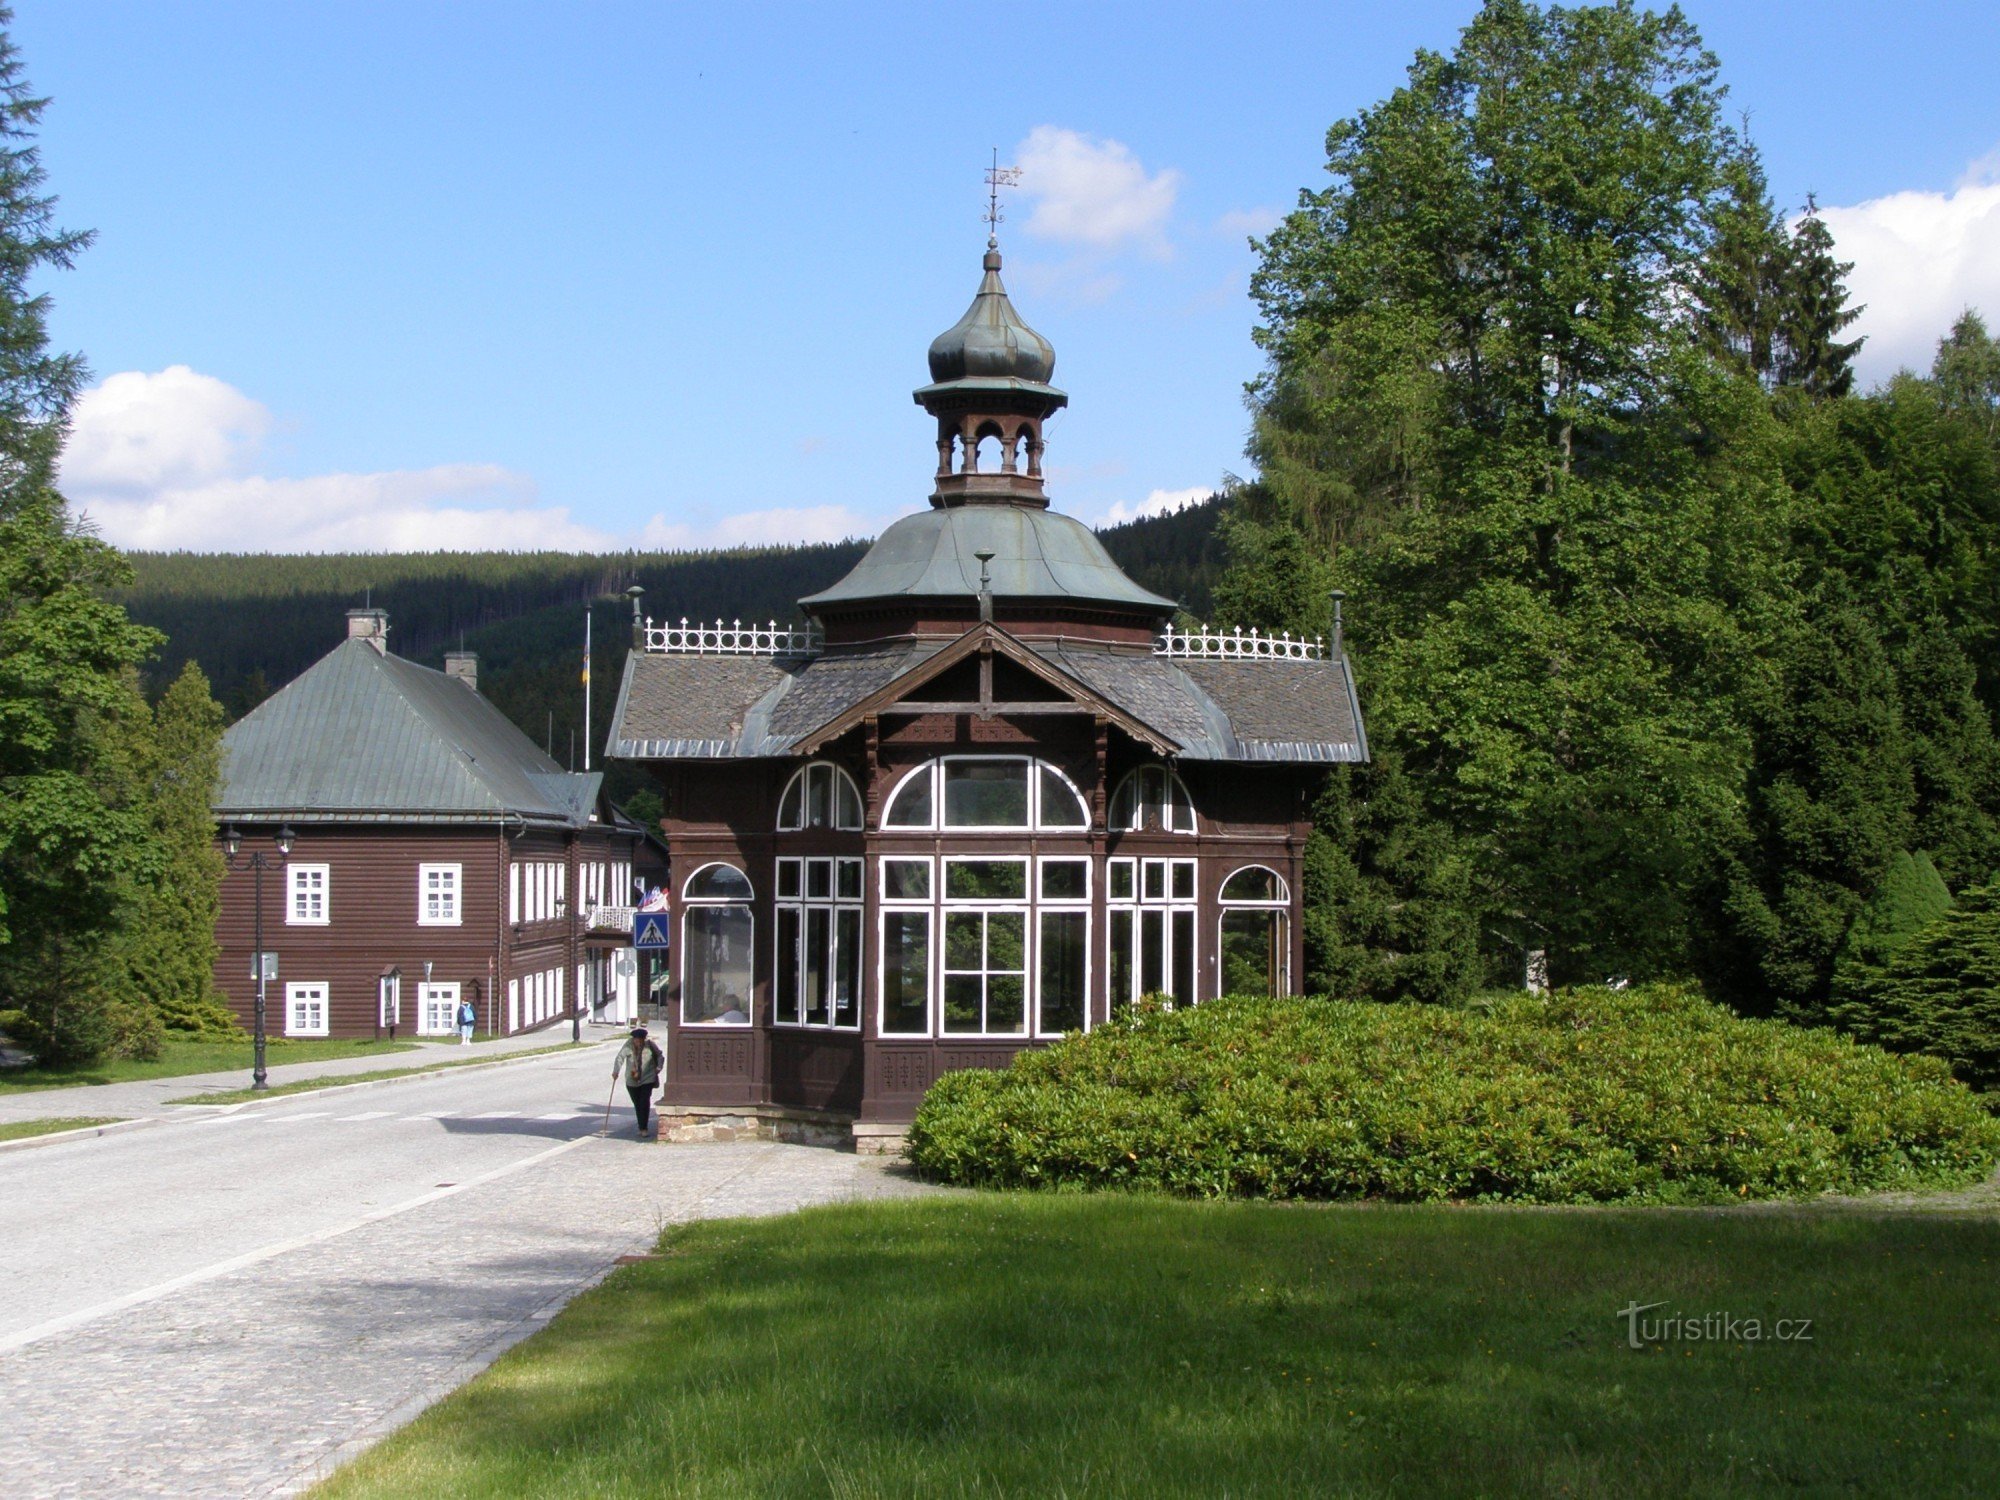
(990, 393)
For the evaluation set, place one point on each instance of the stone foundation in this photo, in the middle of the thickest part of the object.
(689, 1124)
(878, 1139)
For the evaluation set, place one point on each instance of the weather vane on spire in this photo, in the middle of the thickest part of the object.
(997, 177)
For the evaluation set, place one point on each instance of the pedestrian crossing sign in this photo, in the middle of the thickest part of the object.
(649, 930)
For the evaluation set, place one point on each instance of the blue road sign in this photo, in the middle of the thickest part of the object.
(649, 929)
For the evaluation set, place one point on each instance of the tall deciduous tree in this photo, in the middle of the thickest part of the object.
(67, 839)
(1486, 385)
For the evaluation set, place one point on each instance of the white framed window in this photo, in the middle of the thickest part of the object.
(513, 894)
(718, 943)
(1150, 919)
(986, 794)
(306, 895)
(438, 895)
(817, 974)
(984, 945)
(1253, 948)
(1151, 799)
(821, 795)
(437, 1009)
(306, 1008)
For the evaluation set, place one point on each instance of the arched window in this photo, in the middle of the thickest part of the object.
(986, 793)
(1152, 797)
(717, 934)
(821, 795)
(1254, 947)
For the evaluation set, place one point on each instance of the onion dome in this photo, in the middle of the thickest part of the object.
(992, 341)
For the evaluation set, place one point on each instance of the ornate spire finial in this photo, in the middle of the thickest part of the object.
(997, 177)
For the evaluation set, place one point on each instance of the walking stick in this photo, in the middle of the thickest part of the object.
(607, 1105)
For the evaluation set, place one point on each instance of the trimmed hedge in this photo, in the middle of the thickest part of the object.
(1644, 1095)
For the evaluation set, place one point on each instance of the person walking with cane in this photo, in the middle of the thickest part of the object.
(640, 1060)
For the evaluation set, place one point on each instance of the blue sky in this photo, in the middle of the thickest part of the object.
(410, 274)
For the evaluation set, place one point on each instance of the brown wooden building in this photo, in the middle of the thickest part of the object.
(986, 798)
(438, 856)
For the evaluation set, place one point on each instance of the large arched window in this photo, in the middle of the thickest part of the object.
(1152, 797)
(1254, 942)
(717, 933)
(821, 795)
(986, 794)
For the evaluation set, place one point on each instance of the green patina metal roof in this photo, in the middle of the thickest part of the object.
(992, 347)
(364, 736)
(1037, 554)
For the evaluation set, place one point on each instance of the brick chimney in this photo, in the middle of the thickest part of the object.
(370, 625)
(464, 665)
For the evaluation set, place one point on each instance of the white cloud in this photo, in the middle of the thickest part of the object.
(1093, 193)
(1920, 259)
(1158, 503)
(1256, 222)
(168, 461)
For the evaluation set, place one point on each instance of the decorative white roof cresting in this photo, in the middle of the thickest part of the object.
(1238, 645)
(731, 638)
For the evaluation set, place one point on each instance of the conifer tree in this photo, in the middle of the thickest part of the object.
(68, 837)
(1746, 272)
(1815, 359)
(1941, 991)
(166, 951)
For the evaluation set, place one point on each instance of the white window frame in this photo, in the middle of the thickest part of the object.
(438, 993)
(934, 768)
(1173, 784)
(833, 904)
(938, 909)
(1170, 906)
(455, 915)
(929, 910)
(693, 904)
(307, 992)
(298, 890)
(834, 824)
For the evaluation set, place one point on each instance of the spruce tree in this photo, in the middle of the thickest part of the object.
(1941, 992)
(1910, 897)
(1746, 273)
(165, 953)
(1814, 358)
(68, 837)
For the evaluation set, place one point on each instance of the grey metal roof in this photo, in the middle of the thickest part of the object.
(992, 342)
(1037, 554)
(363, 736)
(709, 707)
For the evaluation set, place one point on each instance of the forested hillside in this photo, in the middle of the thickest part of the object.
(253, 622)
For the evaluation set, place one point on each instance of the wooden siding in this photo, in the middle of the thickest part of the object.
(372, 923)
(727, 811)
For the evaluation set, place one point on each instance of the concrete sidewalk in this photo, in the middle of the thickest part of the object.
(148, 1097)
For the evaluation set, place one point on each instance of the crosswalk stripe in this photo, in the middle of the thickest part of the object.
(370, 1114)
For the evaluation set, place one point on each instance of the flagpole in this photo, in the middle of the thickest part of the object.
(586, 687)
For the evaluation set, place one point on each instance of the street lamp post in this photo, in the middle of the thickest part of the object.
(258, 862)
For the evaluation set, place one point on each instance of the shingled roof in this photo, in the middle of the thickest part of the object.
(685, 707)
(361, 736)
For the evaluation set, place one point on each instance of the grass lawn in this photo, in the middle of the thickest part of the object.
(1127, 1346)
(178, 1057)
(19, 1130)
(307, 1085)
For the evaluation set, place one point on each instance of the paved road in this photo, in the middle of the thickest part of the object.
(150, 1096)
(228, 1305)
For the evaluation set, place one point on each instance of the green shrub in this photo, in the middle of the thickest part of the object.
(1648, 1095)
